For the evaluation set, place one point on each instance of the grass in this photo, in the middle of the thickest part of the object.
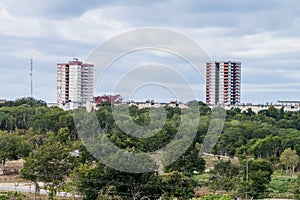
(202, 179)
(282, 186)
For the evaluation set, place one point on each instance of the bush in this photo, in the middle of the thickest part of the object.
(214, 197)
(11, 195)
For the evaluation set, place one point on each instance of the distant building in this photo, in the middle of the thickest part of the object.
(2, 100)
(51, 104)
(108, 99)
(223, 83)
(74, 84)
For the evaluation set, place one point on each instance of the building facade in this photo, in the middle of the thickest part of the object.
(223, 83)
(74, 84)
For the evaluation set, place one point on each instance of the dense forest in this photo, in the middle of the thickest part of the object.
(253, 152)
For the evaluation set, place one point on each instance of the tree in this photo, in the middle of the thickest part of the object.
(50, 163)
(273, 112)
(94, 181)
(290, 159)
(249, 112)
(108, 193)
(178, 185)
(188, 162)
(225, 176)
(12, 146)
(230, 140)
(233, 112)
(267, 147)
(259, 172)
(24, 101)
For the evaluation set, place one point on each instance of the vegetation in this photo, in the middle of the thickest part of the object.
(12, 195)
(13, 146)
(267, 145)
(290, 160)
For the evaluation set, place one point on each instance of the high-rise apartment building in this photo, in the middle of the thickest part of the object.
(74, 84)
(223, 83)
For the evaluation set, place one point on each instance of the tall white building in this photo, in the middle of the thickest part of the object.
(74, 84)
(223, 83)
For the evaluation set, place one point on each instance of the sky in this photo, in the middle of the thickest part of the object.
(263, 35)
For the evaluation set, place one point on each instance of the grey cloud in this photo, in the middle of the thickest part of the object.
(260, 34)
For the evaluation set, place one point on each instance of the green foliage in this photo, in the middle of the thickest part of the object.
(189, 162)
(24, 101)
(260, 172)
(92, 179)
(12, 196)
(226, 197)
(203, 108)
(225, 176)
(282, 187)
(215, 197)
(210, 197)
(177, 185)
(296, 189)
(231, 139)
(12, 146)
(267, 147)
(273, 112)
(108, 193)
(50, 135)
(49, 163)
(290, 159)
(42, 119)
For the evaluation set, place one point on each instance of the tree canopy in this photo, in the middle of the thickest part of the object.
(46, 137)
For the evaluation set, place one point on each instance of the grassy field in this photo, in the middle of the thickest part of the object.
(282, 186)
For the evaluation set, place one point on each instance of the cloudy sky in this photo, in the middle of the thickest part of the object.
(263, 35)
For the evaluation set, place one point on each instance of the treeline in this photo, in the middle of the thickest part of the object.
(29, 101)
(47, 139)
(263, 135)
(27, 113)
(53, 154)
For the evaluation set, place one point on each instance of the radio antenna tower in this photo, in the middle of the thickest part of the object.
(31, 85)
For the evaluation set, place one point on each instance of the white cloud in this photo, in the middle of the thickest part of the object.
(264, 36)
(265, 45)
(90, 28)
(19, 26)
